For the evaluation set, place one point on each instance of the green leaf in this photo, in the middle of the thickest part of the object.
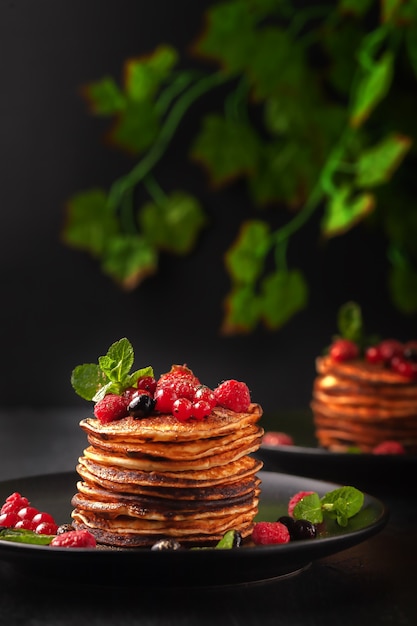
(245, 258)
(350, 322)
(354, 7)
(372, 88)
(276, 65)
(376, 165)
(104, 97)
(284, 293)
(136, 127)
(21, 535)
(174, 224)
(342, 503)
(343, 211)
(90, 221)
(118, 361)
(309, 508)
(229, 36)
(129, 259)
(143, 76)
(86, 379)
(242, 310)
(390, 9)
(227, 148)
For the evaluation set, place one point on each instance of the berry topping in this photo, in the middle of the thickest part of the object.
(147, 383)
(303, 529)
(275, 438)
(389, 447)
(265, 533)
(233, 395)
(111, 407)
(74, 539)
(141, 405)
(182, 409)
(343, 350)
(200, 409)
(296, 498)
(164, 399)
(404, 367)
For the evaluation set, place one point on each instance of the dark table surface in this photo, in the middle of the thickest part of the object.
(374, 582)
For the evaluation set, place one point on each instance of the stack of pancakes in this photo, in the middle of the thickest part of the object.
(155, 478)
(357, 404)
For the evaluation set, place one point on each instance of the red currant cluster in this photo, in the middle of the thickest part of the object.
(16, 512)
(178, 392)
(397, 356)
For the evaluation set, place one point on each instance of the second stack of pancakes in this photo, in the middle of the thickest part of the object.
(357, 404)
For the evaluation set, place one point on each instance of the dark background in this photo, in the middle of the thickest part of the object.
(57, 309)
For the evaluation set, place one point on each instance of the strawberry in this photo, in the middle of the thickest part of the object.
(234, 395)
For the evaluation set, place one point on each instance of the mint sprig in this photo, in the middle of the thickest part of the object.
(92, 381)
(340, 504)
(22, 535)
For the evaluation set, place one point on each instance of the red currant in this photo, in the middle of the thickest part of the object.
(164, 398)
(9, 519)
(46, 528)
(43, 517)
(147, 383)
(344, 350)
(206, 395)
(201, 409)
(181, 409)
(27, 524)
(390, 348)
(373, 355)
(404, 367)
(28, 512)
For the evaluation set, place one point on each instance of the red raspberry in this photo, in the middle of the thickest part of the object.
(233, 395)
(343, 350)
(273, 438)
(74, 539)
(111, 407)
(389, 447)
(14, 503)
(178, 372)
(265, 533)
(296, 499)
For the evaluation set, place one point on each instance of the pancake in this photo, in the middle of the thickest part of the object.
(357, 404)
(147, 478)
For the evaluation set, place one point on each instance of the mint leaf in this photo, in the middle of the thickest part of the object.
(309, 508)
(350, 322)
(342, 503)
(111, 375)
(25, 536)
(87, 379)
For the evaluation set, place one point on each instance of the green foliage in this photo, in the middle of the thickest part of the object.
(318, 116)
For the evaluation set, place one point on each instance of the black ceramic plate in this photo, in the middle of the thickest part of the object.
(361, 470)
(185, 567)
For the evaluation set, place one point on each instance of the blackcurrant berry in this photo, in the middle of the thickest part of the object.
(141, 405)
(304, 529)
(289, 522)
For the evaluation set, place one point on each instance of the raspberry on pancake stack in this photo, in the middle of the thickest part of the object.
(365, 397)
(168, 459)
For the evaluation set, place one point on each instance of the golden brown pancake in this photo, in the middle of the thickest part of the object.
(157, 477)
